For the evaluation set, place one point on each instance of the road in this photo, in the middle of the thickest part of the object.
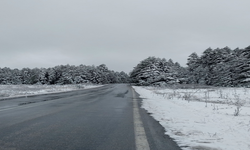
(104, 118)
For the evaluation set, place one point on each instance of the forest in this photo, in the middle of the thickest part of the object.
(63, 74)
(216, 67)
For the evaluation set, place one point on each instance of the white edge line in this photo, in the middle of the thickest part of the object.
(141, 141)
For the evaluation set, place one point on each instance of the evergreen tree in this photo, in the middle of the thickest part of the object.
(155, 71)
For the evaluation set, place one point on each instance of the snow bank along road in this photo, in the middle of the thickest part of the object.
(201, 119)
(103, 118)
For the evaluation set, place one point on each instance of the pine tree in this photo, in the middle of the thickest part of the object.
(194, 69)
(155, 71)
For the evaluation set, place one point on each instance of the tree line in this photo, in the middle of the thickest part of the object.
(220, 67)
(216, 67)
(63, 74)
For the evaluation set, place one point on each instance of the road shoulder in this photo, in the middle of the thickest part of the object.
(155, 133)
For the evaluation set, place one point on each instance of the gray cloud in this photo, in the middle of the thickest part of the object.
(118, 33)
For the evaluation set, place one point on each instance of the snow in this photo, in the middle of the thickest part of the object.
(201, 119)
(8, 91)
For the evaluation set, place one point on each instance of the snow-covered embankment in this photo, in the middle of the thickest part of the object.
(201, 119)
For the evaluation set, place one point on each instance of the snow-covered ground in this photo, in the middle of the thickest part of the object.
(201, 119)
(7, 91)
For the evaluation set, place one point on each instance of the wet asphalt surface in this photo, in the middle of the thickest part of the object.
(91, 119)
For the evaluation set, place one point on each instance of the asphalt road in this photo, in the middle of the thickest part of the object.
(92, 119)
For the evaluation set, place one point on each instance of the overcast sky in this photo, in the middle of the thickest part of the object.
(46, 33)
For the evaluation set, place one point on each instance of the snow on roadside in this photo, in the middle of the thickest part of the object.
(205, 121)
(7, 91)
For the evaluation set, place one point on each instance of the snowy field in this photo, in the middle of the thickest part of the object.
(7, 91)
(201, 119)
